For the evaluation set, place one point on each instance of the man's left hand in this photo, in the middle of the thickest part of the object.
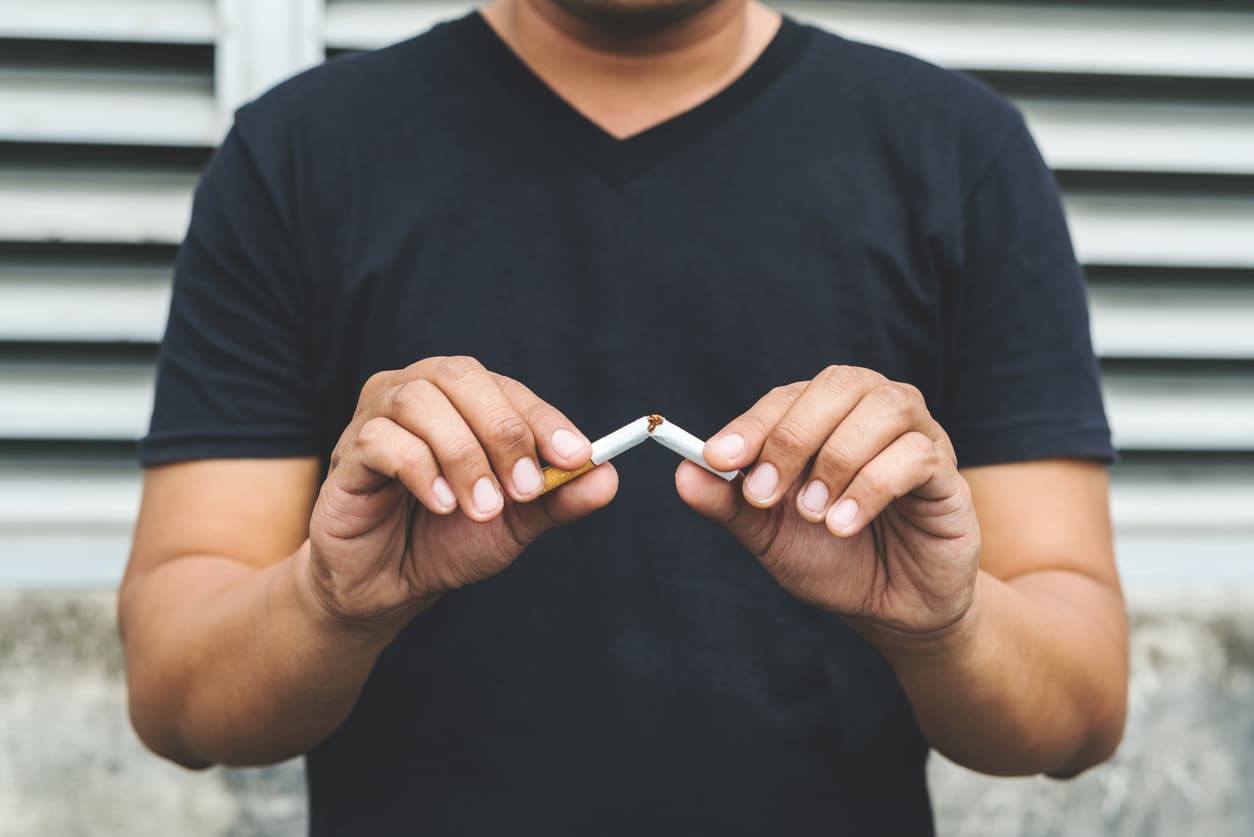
(855, 503)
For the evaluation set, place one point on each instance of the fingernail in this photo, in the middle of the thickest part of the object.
(761, 483)
(487, 498)
(814, 498)
(527, 477)
(443, 493)
(843, 513)
(567, 444)
(730, 446)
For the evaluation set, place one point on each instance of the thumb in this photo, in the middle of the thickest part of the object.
(578, 498)
(725, 504)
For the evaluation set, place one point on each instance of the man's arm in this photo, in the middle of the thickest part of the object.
(1034, 679)
(256, 603)
(229, 658)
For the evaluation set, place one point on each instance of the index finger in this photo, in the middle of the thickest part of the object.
(739, 443)
(558, 440)
(497, 425)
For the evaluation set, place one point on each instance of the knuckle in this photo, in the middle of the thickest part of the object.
(916, 394)
(840, 378)
(873, 484)
(507, 429)
(372, 434)
(756, 425)
(785, 392)
(751, 426)
(539, 415)
(788, 441)
(463, 455)
(422, 368)
(507, 384)
(456, 369)
(370, 391)
(414, 459)
(836, 457)
(920, 446)
(409, 396)
(376, 382)
(896, 399)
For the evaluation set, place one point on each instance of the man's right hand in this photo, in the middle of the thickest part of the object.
(434, 485)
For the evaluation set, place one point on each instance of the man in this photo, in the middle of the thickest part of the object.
(415, 275)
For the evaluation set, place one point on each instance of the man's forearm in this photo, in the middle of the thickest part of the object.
(235, 665)
(1033, 680)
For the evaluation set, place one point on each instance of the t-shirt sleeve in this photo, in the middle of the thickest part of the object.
(1021, 382)
(232, 375)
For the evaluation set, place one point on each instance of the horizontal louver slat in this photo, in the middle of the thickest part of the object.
(166, 21)
(1177, 322)
(1162, 229)
(1160, 137)
(1180, 412)
(94, 205)
(73, 303)
(50, 400)
(68, 107)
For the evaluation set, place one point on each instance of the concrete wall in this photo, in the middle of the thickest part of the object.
(70, 764)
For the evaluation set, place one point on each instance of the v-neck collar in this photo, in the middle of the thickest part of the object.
(620, 160)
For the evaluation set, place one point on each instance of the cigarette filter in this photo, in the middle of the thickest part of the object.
(603, 450)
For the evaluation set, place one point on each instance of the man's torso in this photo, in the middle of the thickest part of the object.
(636, 672)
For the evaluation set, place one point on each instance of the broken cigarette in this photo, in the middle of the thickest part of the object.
(627, 437)
(672, 436)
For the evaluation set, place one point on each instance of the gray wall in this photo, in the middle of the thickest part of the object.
(70, 765)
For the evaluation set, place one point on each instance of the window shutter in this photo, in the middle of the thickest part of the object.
(109, 108)
(107, 113)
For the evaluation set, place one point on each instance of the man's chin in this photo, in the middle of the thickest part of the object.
(632, 17)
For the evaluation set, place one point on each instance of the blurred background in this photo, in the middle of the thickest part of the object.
(108, 110)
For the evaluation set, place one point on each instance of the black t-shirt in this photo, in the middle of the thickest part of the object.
(637, 672)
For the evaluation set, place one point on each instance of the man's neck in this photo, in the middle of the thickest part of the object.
(629, 81)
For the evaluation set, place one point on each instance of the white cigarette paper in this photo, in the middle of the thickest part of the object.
(670, 435)
(623, 439)
(627, 437)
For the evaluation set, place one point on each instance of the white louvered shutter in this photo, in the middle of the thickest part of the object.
(109, 107)
(108, 111)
